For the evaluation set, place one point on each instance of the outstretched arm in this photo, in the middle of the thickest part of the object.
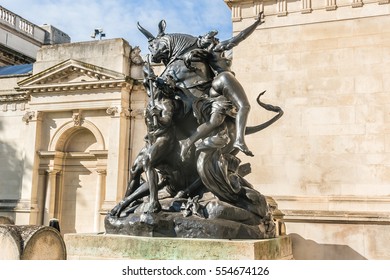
(232, 42)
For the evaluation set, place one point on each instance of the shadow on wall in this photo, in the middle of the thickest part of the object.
(304, 249)
(76, 205)
(12, 167)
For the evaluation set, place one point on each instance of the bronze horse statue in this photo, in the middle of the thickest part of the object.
(207, 105)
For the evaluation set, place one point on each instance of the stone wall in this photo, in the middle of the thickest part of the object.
(15, 160)
(326, 162)
(65, 135)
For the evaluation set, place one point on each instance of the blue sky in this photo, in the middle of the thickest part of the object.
(118, 18)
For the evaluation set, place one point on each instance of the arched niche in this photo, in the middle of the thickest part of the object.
(65, 132)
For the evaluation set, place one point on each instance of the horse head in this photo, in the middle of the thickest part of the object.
(167, 47)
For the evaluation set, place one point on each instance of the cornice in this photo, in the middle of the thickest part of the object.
(66, 87)
(13, 96)
(285, 7)
(88, 77)
(336, 217)
(281, 13)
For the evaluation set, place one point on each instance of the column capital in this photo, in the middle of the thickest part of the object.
(52, 171)
(101, 171)
(28, 116)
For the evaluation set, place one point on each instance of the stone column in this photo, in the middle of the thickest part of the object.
(98, 198)
(41, 196)
(50, 201)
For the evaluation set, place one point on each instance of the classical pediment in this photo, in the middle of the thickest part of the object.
(72, 75)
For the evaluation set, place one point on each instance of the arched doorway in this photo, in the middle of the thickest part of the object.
(78, 183)
(75, 167)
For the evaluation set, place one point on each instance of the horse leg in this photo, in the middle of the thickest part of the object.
(138, 193)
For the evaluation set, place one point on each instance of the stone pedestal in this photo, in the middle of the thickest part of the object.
(108, 246)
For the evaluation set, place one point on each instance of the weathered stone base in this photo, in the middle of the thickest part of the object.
(107, 246)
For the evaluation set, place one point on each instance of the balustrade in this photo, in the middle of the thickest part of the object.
(17, 22)
(7, 16)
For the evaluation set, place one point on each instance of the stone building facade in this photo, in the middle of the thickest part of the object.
(327, 161)
(20, 39)
(65, 134)
(69, 130)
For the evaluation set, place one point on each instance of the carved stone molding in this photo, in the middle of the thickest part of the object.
(53, 171)
(77, 118)
(112, 111)
(28, 116)
(13, 97)
(82, 76)
(101, 171)
(135, 56)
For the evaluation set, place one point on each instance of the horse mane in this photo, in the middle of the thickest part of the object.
(178, 44)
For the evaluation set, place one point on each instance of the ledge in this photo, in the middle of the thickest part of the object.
(108, 246)
(336, 217)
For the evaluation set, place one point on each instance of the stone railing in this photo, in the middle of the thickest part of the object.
(240, 8)
(18, 23)
(280, 13)
(7, 16)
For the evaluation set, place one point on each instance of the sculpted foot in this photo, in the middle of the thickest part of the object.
(184, 148)
(117, 210)
(114, 211)
(154, 207)
(243, 148)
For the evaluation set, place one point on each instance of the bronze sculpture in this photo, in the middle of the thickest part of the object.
(196, 121)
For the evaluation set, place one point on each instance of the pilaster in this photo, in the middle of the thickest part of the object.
(117, 161)
(32, 141)
(100, 188)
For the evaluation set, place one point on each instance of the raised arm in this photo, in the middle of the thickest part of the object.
(232, 42)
